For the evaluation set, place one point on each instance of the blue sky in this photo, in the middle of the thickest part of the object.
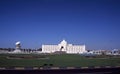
(95, 23)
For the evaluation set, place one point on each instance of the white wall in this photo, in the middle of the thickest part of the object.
(69, 49)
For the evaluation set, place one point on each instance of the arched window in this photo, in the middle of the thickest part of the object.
(61, 48)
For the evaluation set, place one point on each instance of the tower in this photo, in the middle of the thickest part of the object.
(18, 46)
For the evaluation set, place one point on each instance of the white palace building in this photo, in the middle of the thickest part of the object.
(64, 46)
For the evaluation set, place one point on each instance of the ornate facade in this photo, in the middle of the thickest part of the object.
(64, 46)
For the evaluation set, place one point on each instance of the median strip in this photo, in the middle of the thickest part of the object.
(35, 68)
(2, 68)
(117, 66)
(97, 67)
(55, 68)
(41, 68)
(48, 68)
(70, 67)
(84, 67)
(107, 66)
(19, 68)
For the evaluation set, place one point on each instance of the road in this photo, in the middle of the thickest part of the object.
(65, 71)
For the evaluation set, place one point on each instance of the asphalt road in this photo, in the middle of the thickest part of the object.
(65, 71)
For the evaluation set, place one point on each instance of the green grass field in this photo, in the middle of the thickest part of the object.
(63, 60)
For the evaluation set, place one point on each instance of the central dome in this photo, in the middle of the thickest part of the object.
(63, 42)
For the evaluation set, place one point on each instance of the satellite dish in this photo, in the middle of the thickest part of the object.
(17, 43)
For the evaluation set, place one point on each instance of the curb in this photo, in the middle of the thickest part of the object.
(55, 68)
